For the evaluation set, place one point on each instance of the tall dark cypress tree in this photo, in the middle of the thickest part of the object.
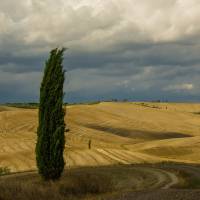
(51, 128)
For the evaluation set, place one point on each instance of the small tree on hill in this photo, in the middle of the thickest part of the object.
(51, 128)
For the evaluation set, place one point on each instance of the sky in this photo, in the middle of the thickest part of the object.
(117, 49)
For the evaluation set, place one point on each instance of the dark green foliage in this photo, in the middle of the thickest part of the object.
(4, 171)
(51, 140)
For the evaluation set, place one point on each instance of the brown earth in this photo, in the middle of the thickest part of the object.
(160, 195)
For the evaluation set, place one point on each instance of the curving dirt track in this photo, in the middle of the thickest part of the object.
(140, 182)
(134, 177)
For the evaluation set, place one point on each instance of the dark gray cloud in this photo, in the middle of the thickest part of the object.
(119, 49)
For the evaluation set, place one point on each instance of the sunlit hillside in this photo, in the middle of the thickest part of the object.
(119, 133)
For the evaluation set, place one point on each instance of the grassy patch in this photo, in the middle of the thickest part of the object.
(72, 186)
(4, 171)
(82, 184)
(189, 181)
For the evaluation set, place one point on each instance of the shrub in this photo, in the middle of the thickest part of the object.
(4, 171)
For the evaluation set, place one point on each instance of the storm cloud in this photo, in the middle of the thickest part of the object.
(131, 49)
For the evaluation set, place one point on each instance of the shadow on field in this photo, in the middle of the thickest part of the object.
(139, 134)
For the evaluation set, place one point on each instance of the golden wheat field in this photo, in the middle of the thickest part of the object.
(123, 133)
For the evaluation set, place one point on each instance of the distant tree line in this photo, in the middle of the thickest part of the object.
(23, 105)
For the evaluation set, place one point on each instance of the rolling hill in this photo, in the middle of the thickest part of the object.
(123, 133)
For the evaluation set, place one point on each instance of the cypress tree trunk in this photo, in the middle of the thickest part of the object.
(51, 128)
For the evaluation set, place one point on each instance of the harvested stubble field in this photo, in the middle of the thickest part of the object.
(120, 133)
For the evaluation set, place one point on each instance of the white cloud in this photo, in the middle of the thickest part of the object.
(183, 86)
(95, 24)
(123, 83)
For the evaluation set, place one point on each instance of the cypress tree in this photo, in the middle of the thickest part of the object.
(50, 134)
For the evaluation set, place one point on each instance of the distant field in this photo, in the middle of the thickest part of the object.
(122, 133)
